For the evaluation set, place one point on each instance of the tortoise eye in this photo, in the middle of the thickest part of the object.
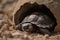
(25, 26)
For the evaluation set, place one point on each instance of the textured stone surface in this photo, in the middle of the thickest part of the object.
(53, 5)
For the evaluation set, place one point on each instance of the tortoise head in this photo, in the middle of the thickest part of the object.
(24, 27)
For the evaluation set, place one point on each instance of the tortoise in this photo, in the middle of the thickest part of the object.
(37, 22)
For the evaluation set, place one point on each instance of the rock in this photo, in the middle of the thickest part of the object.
(53, 5)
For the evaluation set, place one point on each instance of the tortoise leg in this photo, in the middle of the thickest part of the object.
(45, 31)
(18, 27)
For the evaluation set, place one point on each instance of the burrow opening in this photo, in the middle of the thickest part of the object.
(28, 8)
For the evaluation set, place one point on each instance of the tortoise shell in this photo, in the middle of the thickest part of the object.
(42, 21)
